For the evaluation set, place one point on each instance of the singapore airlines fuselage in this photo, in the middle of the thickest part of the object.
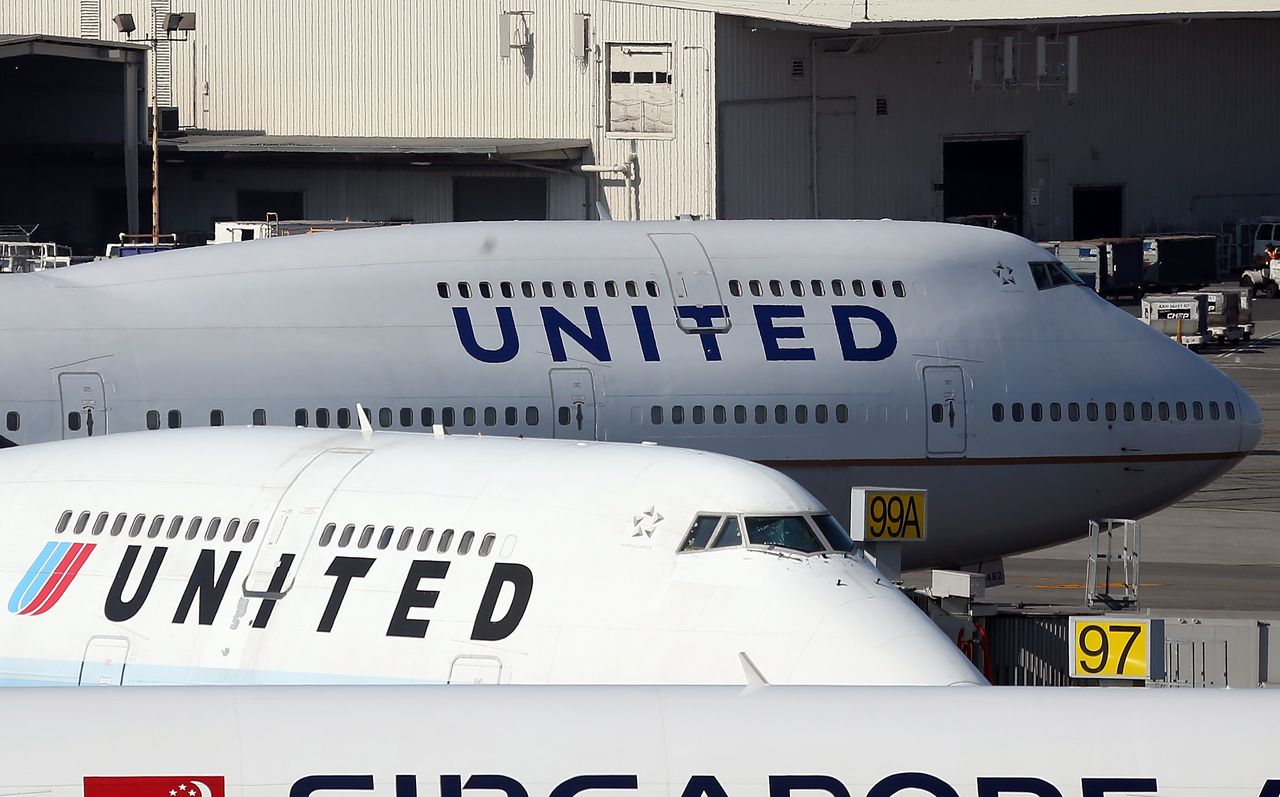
(961, 360)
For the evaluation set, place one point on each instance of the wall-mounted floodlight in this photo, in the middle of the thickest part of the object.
(185, 20)
(124, 23)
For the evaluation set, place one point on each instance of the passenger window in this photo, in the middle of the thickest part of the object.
(780, 413)
(877, 287)
(348, 531)
(783, 532)
(655, 415)
(259, 417)
(100, 524)
(858, 288)
(837, 287)
(1181, 409)
(322, 418)
(464, 544)
(611, 289)
(652, 288)
(175, 526)
(468, 416)
(1111, 411)
(299, 417)
(424, 541)
(735, 288)
(677, 414)
(739, 414)
(527, 290)
(1093, 410)
(486, 544)
(442, 288)
(762, 413)
(1213, 411)
(230, 534)
(570, 290)
(508, 290)
(1164, 410)
(700, 534)
(385, 539)
(486, 290)
(899, 289)
(428, 416)
(193, 528)
(1231, 411)
(775, 287)
(730, 536)
(464, 290)
(1146, 410)
(62, 522)
(211, 531)
(797, 288)
(216, 418)
(802, 413)
(632, 290)
(549, 289)
(135, 528)
(511, 416)
(344, 418)
(842, 413)
(250, 530)
(490, 416)
(406, 537)
(366, 537)
(531, 416)
(589, 288)
(406, 417)
(448, 416)
(157, 523)
(1128, 411)
(385, 417)
(1017, 412)
(699, 414)
(12, 421)
(820, 413)
(175, 419)
(819, 287)
(326, 536)
(1055, 412)
(1197, 411)
(153, 420)
(118, 526)
(446, 539)
(935, 412)
(1073, 412)
(757, 288)
(1037, 412)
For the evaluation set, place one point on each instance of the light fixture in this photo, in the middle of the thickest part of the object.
(124, 23)
(185, 20)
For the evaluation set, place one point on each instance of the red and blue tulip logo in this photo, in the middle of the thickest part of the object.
(49, 576)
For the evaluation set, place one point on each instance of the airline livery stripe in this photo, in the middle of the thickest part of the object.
(39, 571)
(50, 584)
(989, 461)
(77, 556)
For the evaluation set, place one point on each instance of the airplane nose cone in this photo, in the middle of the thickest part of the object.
(1250, 421)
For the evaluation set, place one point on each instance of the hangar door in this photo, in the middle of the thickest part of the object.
(983, 178)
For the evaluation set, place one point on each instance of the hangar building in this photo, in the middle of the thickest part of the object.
(1101, 117)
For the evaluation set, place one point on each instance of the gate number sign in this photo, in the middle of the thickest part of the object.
(1110, 647)
(889, 514)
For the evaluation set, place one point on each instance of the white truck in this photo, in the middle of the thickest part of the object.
(1260, 275)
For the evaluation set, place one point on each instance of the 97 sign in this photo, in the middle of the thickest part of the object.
(889, 515)
(1106, 647)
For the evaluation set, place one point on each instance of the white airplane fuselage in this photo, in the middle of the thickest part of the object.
(841, 353)
(402, 741)
(261, 555)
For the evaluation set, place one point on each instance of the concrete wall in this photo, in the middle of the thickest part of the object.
(404, 68)
(1169, 111)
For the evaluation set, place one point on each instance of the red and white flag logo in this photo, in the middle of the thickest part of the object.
(156, 786)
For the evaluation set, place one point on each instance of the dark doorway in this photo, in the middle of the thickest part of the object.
(499, 199)
(982, 182)
(1097, 211)
(255, 205)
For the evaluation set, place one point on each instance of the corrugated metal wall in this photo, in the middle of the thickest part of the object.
(1171, 112)
(404, 68)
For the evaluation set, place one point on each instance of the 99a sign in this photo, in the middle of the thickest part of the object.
(889, 515)
(1108, 647)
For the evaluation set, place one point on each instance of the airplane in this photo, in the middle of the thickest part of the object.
(965, 361)
(273, 555)
(636, 741)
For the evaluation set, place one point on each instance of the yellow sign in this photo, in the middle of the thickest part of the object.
(1107, 647)
(892, 515)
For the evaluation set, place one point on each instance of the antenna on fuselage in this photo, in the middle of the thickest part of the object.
(755, 680)
(366, 428)
(602, 211)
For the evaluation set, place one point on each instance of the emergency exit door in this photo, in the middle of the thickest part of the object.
(104, 660)
(693, 283)
(84, 405)
(279, 555)
(573, 400)
(944, 410)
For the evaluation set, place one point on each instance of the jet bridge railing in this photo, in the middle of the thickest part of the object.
(1112, 572)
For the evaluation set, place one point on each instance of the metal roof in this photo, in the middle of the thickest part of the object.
(508, 148)
(12, 46)
(855, 13)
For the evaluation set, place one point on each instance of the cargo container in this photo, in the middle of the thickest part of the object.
(1222, 324)
(1179, 262)
(1183, 317)
(1111, 266)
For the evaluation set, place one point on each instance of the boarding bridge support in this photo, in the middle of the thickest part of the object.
(1111, 576)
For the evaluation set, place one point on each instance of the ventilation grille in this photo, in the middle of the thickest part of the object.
(882, 106)
(90, 19)
(797, 67)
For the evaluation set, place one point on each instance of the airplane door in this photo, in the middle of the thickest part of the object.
(945, 410)
(84, 405)
(104, 659)
(693, 282)
(289, 533)
(573, 397)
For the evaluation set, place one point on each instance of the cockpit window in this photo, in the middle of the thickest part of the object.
(783, 532)
(837, 537)
(730, 536)
(703, 527)
(1051, 274)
